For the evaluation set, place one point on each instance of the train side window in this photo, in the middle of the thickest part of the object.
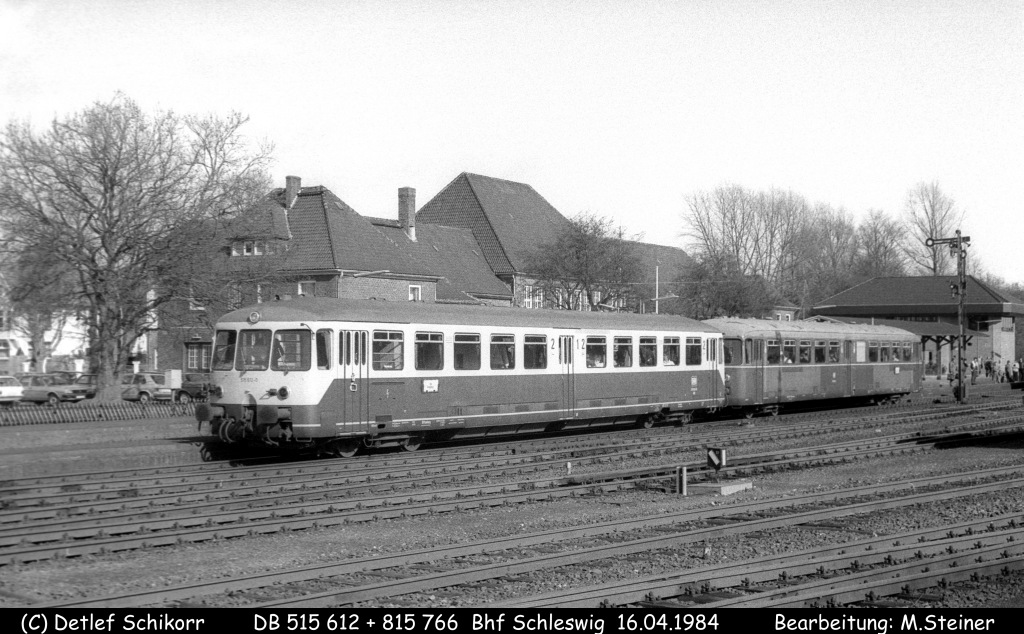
(833, 352)
(820, 352)
(291, 350)
(908, 351)
(224, 349)
(388, 350)
(872, 352)
(693, 351)
(648, 352)
(670, 354)
(535, 352)
(789, 351)
(467, 352)
(622, 352)
(805, 350)
(503, 352)
(915, 351)
(733, 351)
(429, 351)
(323, 349)
(884, 354)
(597, 352)
(757, 350)
(774, 354)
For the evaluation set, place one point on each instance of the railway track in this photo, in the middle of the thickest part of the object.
(126, 523)
(458, 568)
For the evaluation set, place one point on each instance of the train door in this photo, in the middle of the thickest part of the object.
(850, 356)
(355, 364)
(754, 349)
(711, 355)
(565, 362)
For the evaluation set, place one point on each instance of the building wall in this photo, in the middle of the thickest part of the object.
(382, 288)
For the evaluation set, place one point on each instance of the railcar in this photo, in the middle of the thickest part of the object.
(769, 364)
(338, 375)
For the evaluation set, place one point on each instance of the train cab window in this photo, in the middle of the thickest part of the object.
(467, 352)
(648, 352)
(388, 350)
(693, 351)
(915, 351)
(429, 351)
(820, 352)
(254, 350)
(291, 350)
(774, 355)
(670, 353)
(224, 349)
(597, 352)
(323, 349)
(872, 352)
(622, 352)
(789, 351)
(503, 352)
(804, 351)
(833, 352)
(883, 353)
(535, 352)
(733, 351)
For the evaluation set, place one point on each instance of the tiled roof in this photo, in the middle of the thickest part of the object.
(509, 220)
(916, 295)
(921, 328)
(328, 234)
(452, 253)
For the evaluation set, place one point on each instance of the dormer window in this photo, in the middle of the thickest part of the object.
(249, 247)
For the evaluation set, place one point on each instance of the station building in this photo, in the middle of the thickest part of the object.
(927, 306)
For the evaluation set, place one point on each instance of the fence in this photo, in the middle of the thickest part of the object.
(84, 412)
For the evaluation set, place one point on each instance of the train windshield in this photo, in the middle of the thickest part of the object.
(224, 350)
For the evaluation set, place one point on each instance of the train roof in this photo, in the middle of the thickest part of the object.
(381, 311)
(748, 327)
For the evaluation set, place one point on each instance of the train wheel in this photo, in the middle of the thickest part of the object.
(412, 443)
(647, 422)
(345, 448)
(184, 397)
(748, 414)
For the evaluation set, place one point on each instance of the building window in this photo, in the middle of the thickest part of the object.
(528, 297)
(415, 293)
(198, 356)
(248, 247)
(5, 350)
(307, 289)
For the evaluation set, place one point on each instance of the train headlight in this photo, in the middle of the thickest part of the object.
(217, 391)
(282, 393)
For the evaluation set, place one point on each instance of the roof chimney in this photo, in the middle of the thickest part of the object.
(292, 185)
(407, 211)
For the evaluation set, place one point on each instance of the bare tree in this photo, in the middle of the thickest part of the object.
(39, 294)
(131, 204)
(881, 247)
(713, 288)
(930, 213)
(758, 232)
(589, 263)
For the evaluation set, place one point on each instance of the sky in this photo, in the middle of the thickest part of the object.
(621, 109)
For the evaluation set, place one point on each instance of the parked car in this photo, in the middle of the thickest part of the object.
(145, 387)
(88, 381)
(195, 386)
(10, 391)
(65, 376)
(49, 389)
